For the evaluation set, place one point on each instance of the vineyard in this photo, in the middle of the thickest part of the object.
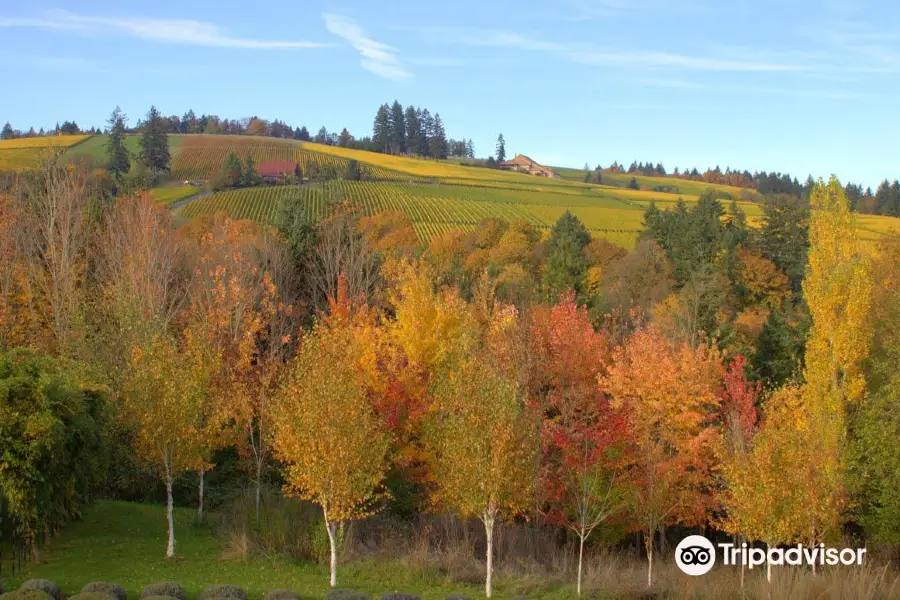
(202, 156)
(22, 154)
(433, 208)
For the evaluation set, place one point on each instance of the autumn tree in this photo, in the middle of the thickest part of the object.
(669, 395)
(583, 440)
(837, 289)
(484, 446)
(328, 435)
(165, 389)
(237, 312)
(54, 236)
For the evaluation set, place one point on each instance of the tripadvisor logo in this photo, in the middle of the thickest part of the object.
(696, 555)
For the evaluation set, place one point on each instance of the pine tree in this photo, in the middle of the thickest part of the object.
(345, 138)
(154, 142)
(117, 154)
(249, 178)
(426, 125)
(437, 143)
(413, 129)
(470, 149)
(7, 133)
(398, 129)
(501, 149)
(381, 129)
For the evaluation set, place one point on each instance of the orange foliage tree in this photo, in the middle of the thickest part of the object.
(669, 396)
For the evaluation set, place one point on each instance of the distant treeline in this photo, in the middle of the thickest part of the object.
(884, 201)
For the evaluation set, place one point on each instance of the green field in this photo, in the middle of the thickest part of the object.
(95, 147)
(124, 543)
(171, 194)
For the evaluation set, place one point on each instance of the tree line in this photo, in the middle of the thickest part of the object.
(415, 132)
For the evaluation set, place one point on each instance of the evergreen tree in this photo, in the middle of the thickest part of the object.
(118, 160)
(784, 236)
(501, 149)
(566, 262)
(7, 133)
(398, 129)
(426, 130)
(381, 129)
(250, 177)
(155, 142)
(304, 134)
(470, 149)
(633, 184)
(345, 138)
(437, 143)
(413, 129)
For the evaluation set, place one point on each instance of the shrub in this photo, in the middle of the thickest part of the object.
(346, 595)
(107, 589)
(43, 584)
(219, 592)
(164, 588)
(399, 596)
(282, 595)
(27, 595)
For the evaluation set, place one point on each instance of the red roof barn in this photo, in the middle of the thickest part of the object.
(277, 170)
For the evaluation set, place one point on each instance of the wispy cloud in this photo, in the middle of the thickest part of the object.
(610, 57)
(171, 31)
(376, 57)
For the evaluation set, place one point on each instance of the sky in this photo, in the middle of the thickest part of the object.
(802, 86)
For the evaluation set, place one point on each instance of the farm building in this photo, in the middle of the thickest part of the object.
(523, 164)
(277, 171)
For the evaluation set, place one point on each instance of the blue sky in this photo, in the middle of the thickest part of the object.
(792, 85)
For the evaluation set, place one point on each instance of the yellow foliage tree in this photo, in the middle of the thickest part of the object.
(328, 435)
(484, 446)
(837, 289)
(165, 393)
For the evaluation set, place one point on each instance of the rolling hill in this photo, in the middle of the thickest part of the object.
(438, 195)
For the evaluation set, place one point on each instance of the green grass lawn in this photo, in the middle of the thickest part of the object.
(124, 543)
(95, 147)
(171, 194)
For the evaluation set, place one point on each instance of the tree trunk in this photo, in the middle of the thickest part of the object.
(648, 544)
(768, 570)
(580, 559)
(488, 519)
(170, 510)
(331, 527)
(736, 540)
(200, 505)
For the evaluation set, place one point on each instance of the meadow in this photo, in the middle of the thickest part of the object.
(95, 147)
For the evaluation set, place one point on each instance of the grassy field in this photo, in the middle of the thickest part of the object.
(95, 147)
(171, 194)
(24, 154)
(124, 543)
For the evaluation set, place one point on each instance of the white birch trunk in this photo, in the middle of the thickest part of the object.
(488, 519)
(331, 527)
(170, 510)
(580, 560)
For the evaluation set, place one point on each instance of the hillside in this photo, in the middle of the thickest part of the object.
(438, 195)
